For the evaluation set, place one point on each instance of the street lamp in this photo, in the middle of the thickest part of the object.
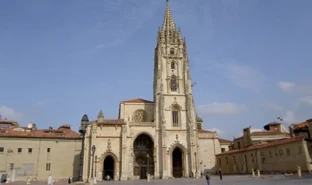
(93, 151)
(82, 131)
(95, 166)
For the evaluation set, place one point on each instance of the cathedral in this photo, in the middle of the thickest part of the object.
(157, 139)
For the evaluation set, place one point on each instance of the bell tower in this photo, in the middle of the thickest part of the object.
(175, 116)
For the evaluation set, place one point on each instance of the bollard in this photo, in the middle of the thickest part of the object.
(258, 172)
(27, 180)
(298, 171)
(147, 177)
(253, 172)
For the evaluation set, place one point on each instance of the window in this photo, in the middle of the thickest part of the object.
(48, 150)
(288, 152)
(270, 154)
(263, 160)
(234, 160)
(172, 65)
(175, 118)
(171, 51)
(29, 150)
(238, 145)
(48, 166)
(11, 166)
(1, 149)
(199, 127)
(19, 150)
(281, 152)
(173, 84)
(222, 150)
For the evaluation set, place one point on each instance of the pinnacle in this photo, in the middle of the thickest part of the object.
(100, 115)
(168, 20)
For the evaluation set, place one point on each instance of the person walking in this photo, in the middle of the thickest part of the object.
(220, 174)
(208, 178)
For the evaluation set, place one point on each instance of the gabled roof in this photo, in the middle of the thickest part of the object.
(205, 131)
(268, 133)
(258, 146)
(225, 141)
(138, 100)
(64, 132)
(110, 122)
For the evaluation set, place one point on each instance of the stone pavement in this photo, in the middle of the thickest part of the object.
(227, 180)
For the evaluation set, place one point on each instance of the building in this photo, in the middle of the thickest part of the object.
(270, 151)
(163, 137)
(30, 152)
(225, 145)
(272, 131)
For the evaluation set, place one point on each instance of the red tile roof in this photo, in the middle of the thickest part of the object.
(270, 144)
(225, 141)
(205, 131)
(61, 133)
(110, 122)
(303, 125)
(268, 133)
(138, 100)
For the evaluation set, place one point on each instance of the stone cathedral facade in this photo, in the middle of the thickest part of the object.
(164, 137)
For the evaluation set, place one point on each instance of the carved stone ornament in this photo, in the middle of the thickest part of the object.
(109, 147)
(163, 131)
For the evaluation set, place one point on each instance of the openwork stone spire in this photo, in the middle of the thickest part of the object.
(168, 24)
(100, 117)
(169, 33)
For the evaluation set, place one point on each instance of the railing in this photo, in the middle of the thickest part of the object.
(142, 124)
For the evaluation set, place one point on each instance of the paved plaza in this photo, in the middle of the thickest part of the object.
(227, 180)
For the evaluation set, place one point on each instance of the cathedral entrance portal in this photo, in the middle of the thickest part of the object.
(177, 163)
(108, 167)
(143, 147)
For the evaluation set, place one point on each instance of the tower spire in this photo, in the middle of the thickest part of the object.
(168, 19)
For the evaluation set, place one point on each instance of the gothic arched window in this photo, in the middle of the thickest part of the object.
(173, 83)
(175, 116)
(139, 116)
(172, 65)
(171, 51)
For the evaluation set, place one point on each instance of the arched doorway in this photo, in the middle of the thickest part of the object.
(143, 153)
(177, 163)
(109, 167)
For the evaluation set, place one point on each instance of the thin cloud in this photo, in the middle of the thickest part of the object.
(306, 100)
(242, 76)
(286, 86)
(273, 106)
(290, 117)
(225, 108)
(10, 114)
(41, 103)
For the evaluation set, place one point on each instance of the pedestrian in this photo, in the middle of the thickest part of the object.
(69, 180)
(208, 178)
(220, 174)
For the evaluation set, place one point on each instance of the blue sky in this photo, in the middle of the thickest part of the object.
(251, 59)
